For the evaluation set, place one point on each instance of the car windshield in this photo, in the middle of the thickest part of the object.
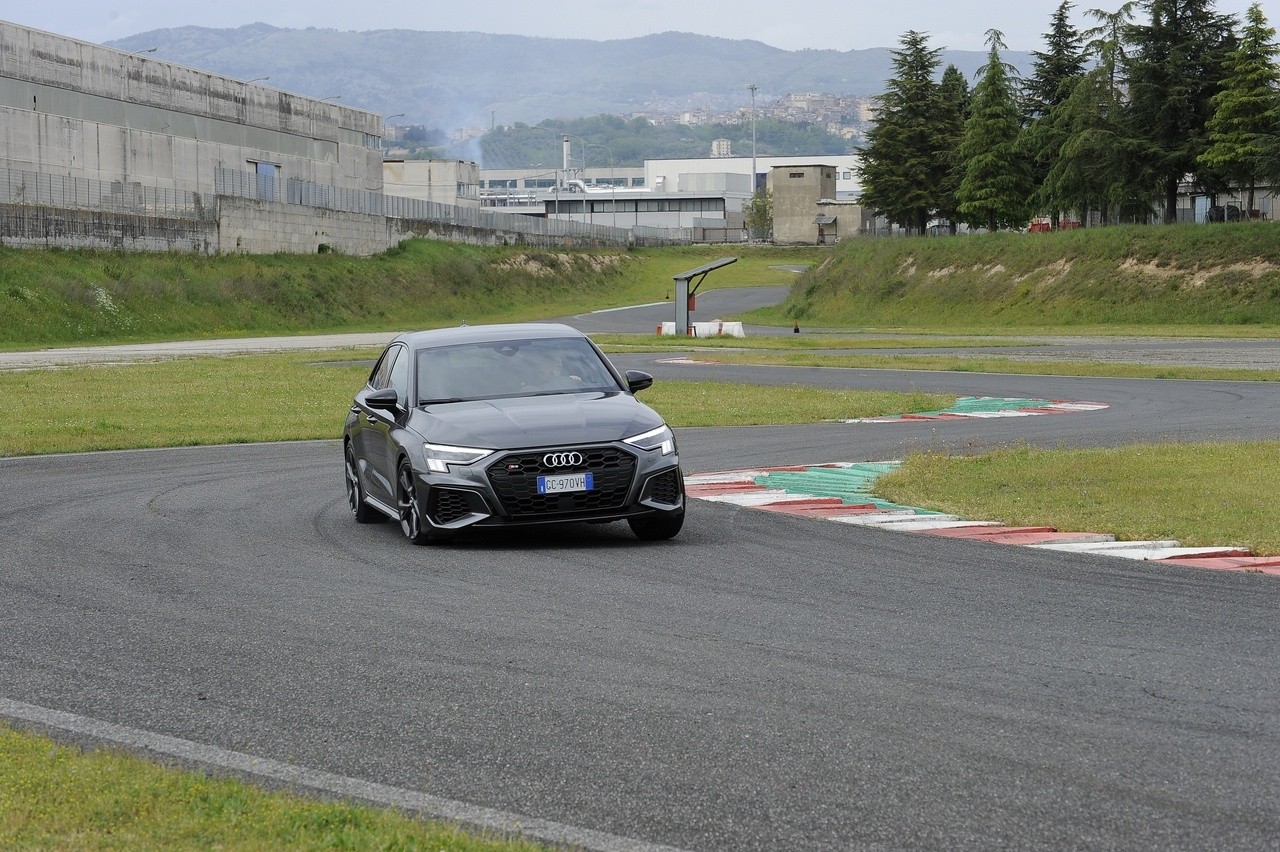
(507, 368)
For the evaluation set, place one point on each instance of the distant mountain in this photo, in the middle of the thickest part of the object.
(451, 80)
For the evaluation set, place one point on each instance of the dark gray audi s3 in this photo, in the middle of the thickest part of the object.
(503, 425)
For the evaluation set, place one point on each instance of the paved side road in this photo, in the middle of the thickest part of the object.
(133, 352)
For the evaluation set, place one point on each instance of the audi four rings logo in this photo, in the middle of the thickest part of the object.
(563, 459)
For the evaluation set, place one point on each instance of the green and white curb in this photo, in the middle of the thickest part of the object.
(988, 407)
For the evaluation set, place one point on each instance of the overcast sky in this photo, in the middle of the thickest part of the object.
(819, 24)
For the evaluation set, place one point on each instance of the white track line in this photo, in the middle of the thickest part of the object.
(350, 788)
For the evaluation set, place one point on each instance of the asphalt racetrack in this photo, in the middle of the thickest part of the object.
(760, 682)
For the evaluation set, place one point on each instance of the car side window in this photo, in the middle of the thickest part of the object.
(400, 377)
(381, 376)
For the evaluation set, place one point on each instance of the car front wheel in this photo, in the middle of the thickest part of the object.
(412, 524)
(362, 511)
(657, 527)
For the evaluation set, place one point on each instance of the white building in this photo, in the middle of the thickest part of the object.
(682, 173)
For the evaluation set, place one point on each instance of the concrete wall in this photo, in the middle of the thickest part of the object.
(83, 110)
(40, 226)
(399, 230)
(249, 226)
(797, 189)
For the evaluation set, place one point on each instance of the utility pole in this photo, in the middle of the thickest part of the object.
(753, 88)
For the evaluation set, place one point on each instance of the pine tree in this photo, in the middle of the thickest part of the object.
(996, 186)
(903, 161)
(1056, 72)
(1056, 69)
(952, 110)
(1175, 71)
(1247, 109)
(1089, 168)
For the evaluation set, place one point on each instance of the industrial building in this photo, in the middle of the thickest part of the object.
(797, 189)
(442, 181)
(84, 126)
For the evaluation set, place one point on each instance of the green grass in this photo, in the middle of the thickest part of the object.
(59, 298)
(58, 797)
(652, 342)
(717, 404)
(1202, 494)
(1186, 275)
(991, 364)
(304, 395)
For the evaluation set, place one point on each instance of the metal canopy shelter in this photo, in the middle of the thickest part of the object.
(685, 294)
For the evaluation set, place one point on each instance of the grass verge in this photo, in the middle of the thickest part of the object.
(57, 797)
(981, 364)
(1206, 494)
(617, 342)
(1138, 275)
(58, 298)
(296, 396)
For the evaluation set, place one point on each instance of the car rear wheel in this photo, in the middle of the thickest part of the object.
(362, 511)
(657, 527)
(415, 528)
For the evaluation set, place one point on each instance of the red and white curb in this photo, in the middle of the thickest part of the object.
(754, 489)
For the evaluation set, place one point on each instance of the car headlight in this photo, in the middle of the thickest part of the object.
(655, 439)
(440, 456)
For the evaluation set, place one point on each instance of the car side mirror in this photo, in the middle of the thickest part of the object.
(638, 381)
(382, 400)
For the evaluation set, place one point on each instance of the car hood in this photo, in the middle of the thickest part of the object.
(536, 421)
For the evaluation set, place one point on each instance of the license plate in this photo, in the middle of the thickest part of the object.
(564, 482)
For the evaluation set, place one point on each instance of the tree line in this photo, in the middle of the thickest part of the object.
(631, 142)
(1111, 122)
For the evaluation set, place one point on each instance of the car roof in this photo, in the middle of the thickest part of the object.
(486, 334)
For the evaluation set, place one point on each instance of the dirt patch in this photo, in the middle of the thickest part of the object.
(547, 265)
(1047, 276)
(1196, 277)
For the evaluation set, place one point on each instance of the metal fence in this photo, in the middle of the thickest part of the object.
(131, 198)
(34, 188)
(249, 185)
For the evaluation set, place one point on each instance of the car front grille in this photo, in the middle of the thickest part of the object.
(514, 478)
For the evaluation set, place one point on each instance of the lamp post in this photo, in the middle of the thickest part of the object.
(386, 122)
(753, 88)
(256, 80)
(144, 50)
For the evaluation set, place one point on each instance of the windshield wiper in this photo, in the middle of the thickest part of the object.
(440, 401)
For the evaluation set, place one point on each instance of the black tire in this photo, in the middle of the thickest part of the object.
(657, 527)
(360, 510)
(414, 526)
